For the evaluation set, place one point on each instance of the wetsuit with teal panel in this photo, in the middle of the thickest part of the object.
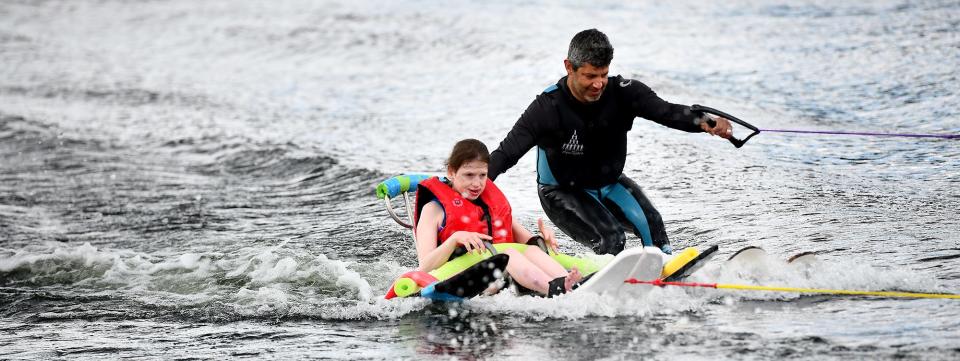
(581, 152)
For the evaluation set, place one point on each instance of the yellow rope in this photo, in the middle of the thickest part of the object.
(838, 292)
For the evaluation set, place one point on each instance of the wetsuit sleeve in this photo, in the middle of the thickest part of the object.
(519, 140)
(646, 104)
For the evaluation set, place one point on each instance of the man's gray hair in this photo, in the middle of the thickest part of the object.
(590, 46)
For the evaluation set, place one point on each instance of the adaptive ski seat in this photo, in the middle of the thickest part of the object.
(470, 274)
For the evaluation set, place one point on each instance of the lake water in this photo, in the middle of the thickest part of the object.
(184, 180)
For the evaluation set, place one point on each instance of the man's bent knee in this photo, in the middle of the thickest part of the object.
(611, 243)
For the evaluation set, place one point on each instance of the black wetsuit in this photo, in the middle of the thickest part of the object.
(582, 149)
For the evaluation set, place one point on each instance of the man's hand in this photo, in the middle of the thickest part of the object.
(723, 129)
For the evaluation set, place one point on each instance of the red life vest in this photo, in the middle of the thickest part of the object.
(464, 215)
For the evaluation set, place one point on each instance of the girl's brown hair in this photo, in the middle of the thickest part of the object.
(467, 150)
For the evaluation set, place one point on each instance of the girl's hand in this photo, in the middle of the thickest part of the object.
(548, 235)
(473, 241)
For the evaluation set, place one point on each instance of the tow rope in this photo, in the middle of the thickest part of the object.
(662, 283)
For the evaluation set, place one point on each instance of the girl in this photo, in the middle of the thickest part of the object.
(457, 215)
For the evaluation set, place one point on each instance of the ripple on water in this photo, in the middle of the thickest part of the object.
(187, 180)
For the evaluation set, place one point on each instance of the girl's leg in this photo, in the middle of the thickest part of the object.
(553, 268)
(531, 276)
(549, 266)
(526, 273)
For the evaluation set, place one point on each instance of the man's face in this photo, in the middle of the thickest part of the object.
(587, 82)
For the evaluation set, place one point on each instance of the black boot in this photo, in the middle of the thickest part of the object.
(555, 287)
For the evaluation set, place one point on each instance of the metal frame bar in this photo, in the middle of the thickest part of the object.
(396, 218)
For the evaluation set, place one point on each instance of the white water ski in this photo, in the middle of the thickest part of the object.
(642, 263)
(753, 254)
(755, 260)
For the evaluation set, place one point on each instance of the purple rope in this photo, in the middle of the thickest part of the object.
(908, 135)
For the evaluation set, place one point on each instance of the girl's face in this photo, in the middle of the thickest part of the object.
(470, 179)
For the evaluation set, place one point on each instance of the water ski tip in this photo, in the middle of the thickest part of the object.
(808, 257)
(755, 254)
(748, 253)
(680, 268)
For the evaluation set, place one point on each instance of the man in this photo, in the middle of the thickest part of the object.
(580, 126)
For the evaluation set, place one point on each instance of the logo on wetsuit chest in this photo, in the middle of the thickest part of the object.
(457, 202)
(573, 146)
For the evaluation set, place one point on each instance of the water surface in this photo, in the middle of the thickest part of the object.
(195, 181)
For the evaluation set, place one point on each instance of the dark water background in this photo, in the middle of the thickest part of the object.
(185, 180)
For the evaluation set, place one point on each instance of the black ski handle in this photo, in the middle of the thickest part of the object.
(736, 142)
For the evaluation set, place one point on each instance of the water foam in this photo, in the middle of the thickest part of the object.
(250, 281)
(767, 271)
(835, 274)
